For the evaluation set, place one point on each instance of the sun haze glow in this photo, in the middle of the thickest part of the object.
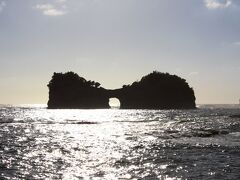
(114, 103)
(117, 42)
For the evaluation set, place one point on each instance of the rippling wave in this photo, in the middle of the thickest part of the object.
(37, 143)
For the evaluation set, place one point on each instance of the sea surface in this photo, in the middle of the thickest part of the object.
(37, 143)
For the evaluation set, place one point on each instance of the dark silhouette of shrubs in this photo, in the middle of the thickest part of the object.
(154, 91)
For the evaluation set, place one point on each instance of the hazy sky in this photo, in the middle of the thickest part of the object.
(116, 42)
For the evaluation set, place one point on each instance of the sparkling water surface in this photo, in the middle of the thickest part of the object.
(37, 143)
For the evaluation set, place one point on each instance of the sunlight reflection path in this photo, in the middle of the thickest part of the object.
(37, 143)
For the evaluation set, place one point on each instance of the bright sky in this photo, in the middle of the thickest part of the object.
(116, 42)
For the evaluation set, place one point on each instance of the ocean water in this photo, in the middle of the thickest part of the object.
(37, 143)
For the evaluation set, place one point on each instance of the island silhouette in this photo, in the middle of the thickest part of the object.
(154, 91)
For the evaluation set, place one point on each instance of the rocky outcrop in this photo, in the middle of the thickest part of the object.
(71, 91)
(154, 91)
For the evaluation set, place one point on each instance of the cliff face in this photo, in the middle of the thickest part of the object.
(154, 91)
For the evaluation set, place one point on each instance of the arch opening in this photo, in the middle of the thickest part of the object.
(114, 103)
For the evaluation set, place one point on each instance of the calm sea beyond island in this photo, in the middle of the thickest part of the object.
(41, 143)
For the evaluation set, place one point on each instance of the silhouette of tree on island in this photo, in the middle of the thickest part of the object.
(154, 91)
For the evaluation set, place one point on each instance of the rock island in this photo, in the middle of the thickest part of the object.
(154, 91)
